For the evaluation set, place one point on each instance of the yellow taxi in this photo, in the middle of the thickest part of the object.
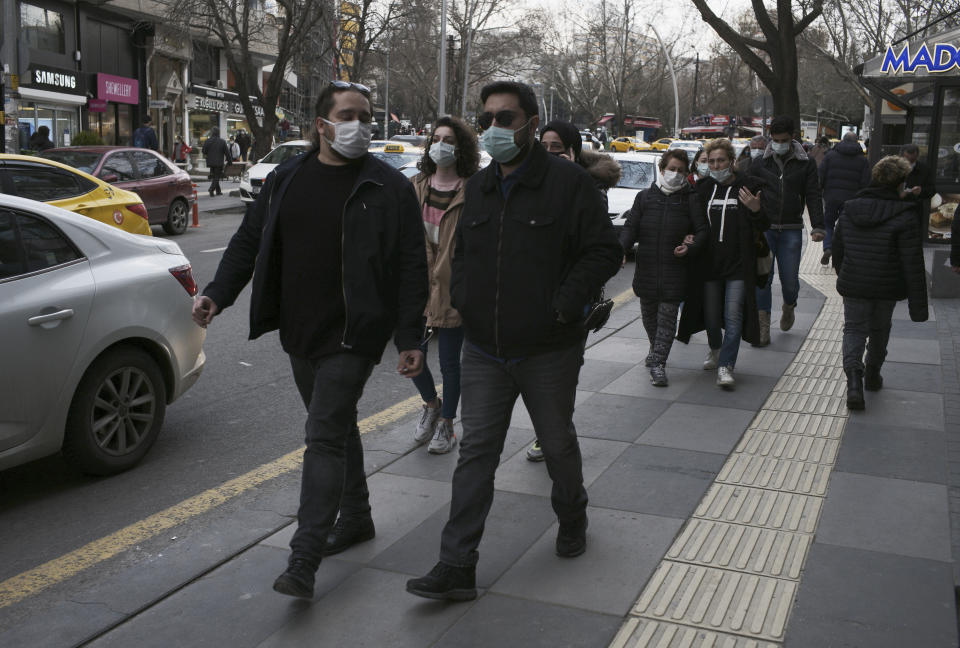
(396, 154)
(65, 187)
(627, 144)
(663, 143)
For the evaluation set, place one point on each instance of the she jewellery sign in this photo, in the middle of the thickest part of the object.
(945, 58)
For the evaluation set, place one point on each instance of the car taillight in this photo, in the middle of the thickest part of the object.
(184, 274)
(139, 210)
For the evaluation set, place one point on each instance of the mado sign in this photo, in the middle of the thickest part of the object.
(944, 58)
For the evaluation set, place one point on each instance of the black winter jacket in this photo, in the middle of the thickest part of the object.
(216, 151)
(785, 192)
(658, 222)
(384, 259)
(522, 264)
(845, 171)
(877, 252)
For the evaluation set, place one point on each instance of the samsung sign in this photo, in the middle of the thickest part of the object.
(56, 80)
(944, 57)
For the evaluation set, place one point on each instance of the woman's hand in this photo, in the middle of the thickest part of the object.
(688, 239)
(680, 250)
(751, 201)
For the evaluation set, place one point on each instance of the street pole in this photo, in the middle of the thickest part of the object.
(466, 73)
(673, 77)
(442, 101)
(386, 96)
(696, 76)
(550, 116)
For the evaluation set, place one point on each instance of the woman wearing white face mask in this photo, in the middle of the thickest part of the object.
(722, 298)
(667, 223)
(452, 156)
(701, 169)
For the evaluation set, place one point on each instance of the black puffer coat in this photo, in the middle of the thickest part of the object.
(877, 252)
(789, 188)
(657, 223)
(844, 171)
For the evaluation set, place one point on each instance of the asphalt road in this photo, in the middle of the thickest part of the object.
(243, 412)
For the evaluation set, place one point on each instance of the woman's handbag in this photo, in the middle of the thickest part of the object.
(764, 255)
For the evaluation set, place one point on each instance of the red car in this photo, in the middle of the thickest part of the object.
(164, 188)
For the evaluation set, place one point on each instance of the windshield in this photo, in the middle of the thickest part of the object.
(283, 153)
(85, 161)
(396, 160)
(636, 175)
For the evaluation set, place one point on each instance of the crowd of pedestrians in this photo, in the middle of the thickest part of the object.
(500, 268)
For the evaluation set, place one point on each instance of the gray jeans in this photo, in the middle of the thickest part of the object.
(489, 388)
(866, 323)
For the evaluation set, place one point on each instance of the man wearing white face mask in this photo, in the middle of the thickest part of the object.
(334, 243)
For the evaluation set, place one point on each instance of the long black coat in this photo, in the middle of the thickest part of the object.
(877, 252)
(657, 223)
(216, 151)
(845, 171)
(787, 190)
(750, 226)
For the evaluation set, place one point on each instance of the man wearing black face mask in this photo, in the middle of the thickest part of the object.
(335, 245)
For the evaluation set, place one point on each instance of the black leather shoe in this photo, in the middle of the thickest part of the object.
(447, 583)
(347, 532)
(297, 580)
(572, 538)
(855, 390)
(872, 380)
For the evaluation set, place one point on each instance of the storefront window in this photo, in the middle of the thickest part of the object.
(42, 28)
(63, 123)
(200, 125)
(948, 148)
(124, 124)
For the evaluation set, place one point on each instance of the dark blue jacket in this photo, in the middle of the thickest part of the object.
(845, 171)
(384, 259)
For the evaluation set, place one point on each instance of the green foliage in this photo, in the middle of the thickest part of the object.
(87, 138)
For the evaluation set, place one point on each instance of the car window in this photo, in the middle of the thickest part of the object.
(30, 244)
(85, 161)
(118, 164)
(283, 153)
(11, 259)
(636, 175)
(46, 183)
(150, 165)
(396, 160)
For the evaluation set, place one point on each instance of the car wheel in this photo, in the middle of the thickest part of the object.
(116, 412)
(176, 218)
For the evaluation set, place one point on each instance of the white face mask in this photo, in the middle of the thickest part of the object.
(351, 139)
(703, 169)
(443, 154)
(672, 179)
(780, 148)
(720, 175)
(755, 153)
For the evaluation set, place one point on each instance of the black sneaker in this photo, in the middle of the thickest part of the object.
(572, 538)
(297, 580)
(347, 532)
(446, 582)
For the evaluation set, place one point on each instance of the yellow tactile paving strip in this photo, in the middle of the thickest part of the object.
(730, 578)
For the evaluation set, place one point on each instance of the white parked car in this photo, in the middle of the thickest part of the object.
(690, 147)
(252, 179)
(97, 337)
(638, 170)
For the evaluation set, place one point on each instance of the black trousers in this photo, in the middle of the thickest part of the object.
(866, 323)
(216, 173)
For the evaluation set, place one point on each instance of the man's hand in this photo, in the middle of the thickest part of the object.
(816, 237)
(680, 250)
(204, 310)
(956, 269)
(410, 363)
(915, 190)
(688, 239)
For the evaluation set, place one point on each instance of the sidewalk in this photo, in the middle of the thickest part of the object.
(228, 202)
(759, 517)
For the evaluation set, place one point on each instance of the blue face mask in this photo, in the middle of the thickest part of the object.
(498, 142)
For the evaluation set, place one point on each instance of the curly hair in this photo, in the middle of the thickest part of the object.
(890, 171)
(721, 143)
(677, 154)
(467, 154)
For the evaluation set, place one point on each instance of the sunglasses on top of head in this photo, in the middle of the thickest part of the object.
(504, 118)
(347, 85)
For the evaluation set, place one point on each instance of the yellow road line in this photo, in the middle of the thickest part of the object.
(31, 582)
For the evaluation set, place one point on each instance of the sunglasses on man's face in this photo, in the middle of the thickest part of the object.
(347, 85)
(504, 118)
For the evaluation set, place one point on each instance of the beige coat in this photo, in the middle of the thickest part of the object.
(439, 312)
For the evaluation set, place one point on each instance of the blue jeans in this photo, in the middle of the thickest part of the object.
(450, 341)
(831, 212)
(723, 309)
(333, 475)
(786, 246)
(548, 385)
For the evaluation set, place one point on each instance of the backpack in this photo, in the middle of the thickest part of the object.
(139, 138)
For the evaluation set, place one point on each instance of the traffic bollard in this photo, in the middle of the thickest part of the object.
(196, 207)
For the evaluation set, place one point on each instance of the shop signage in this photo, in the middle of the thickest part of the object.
(97, 105)
(943, 57)
(228, 102)
(160, 104)
(56, 80)
(118, 89)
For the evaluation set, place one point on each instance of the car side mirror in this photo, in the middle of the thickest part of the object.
(110, 177)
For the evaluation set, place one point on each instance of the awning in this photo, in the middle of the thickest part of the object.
(605, 119)
(693, 130)
(27, 92)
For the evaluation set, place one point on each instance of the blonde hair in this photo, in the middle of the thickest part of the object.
(721, 143)
(890, 171)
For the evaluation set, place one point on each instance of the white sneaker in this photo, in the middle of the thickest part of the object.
(725, 377)
(444, 440)
(428, 422)
(710, 363)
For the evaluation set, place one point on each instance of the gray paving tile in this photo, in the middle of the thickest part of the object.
(371, 608)
(852, 598)
(618, 418)
(917, 351)
(623, 549)
(398, 504)
(633, 330)
(912, 377)
(597, 374)
(890, 515)
(698, 427)
(895, 452)
(622, 317)
(750, 393)
(619, 349)
(69, 623)
(636, 382)
(688, 356)
(247, 615)
(766, 361)
(658, 481)
(902, 408)
(516, 521)
(902, 312)
(522, 476)
(917, 330)
(506, 621)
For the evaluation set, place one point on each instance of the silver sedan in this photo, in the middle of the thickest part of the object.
(96, 337)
